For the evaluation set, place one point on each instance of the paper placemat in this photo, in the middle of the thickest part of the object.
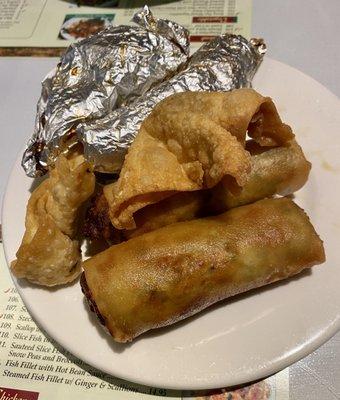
(46, 27)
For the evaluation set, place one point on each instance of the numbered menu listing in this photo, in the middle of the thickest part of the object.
(31, 360)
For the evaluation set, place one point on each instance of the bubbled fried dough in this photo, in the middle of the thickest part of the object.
(189, 142)
(48, 254)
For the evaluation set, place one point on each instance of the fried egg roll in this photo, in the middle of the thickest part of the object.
(278, 171)
(183, 206)
(177, 208)
(164, 276)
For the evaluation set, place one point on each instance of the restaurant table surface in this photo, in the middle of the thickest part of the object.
(303, 34)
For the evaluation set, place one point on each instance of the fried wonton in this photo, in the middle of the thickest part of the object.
(189, 142)
(48, 254)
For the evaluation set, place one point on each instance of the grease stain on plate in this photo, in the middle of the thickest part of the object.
(328, 167)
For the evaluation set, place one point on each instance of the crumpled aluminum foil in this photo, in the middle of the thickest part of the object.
(99, 74)
(225, 63)
(107, 84)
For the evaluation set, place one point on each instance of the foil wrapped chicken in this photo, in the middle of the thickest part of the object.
(99, 74)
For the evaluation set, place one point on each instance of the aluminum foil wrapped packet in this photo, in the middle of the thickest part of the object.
(225, 63)
(99, 74)
(107, 84)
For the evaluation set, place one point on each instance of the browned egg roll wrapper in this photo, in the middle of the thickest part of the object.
(97, 224)
(280, 170)
(190, 142)
(177, 208)
(183, 206)
(164, 276)
(277, 171)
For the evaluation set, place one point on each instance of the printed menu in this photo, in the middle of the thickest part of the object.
(33, 366)
(46, 27)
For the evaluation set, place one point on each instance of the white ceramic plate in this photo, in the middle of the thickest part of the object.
(249, 336)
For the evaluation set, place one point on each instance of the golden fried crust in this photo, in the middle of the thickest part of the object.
(166, 275)
(183, 206)
(189, 142)
(48, 255)
(277, 171)
(97, 224)
(239, 112)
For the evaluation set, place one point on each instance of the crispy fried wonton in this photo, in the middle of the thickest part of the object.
(191, 141)
(48, 255)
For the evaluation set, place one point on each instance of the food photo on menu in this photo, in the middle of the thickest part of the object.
(164, 207)
(80, 26)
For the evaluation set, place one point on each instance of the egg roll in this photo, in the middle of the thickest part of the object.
(278, 171)
(169, 274)
(183, 206)
(189, 142)
(49, 254)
